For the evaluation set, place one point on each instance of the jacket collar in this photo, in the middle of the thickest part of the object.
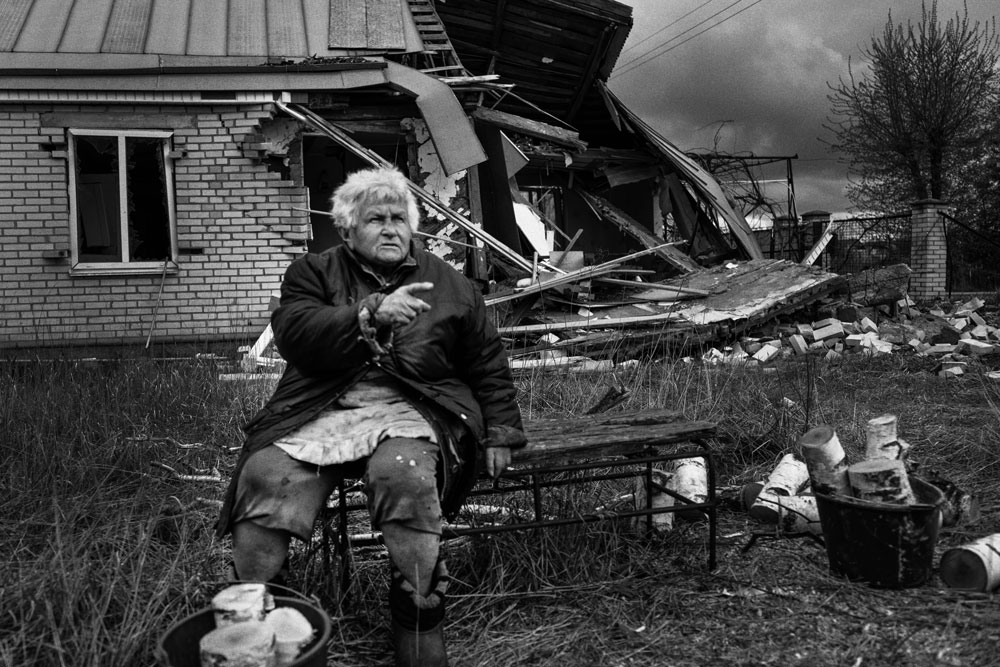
(384, 280)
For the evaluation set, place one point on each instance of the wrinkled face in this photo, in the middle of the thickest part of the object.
(382, 235)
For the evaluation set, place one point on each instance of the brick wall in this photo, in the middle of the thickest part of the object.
(237, 231)
(929, 251)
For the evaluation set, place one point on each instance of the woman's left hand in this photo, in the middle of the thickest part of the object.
(497, 460)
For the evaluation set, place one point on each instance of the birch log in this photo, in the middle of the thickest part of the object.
(788, 478)
(881, 480)
(882, 440)
(292, 632)
(824, 456)
(974, 566)
(246, 644)
(799, 514)
(239, 603)
(690, 479)
(663, 521)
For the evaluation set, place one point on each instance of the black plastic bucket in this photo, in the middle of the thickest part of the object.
(178, 647)
(888, 546)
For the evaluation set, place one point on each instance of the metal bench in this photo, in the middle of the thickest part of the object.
(579, 450)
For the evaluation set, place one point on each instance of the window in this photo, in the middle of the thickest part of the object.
(121, 201)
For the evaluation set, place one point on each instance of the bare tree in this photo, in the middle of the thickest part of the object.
(910, 117)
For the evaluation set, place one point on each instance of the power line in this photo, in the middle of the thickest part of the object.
(671, 24)
(680, 34)
(628, 67)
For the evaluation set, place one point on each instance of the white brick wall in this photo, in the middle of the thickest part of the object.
(228, 205)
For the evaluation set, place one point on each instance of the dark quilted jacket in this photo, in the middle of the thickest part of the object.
(449, 360)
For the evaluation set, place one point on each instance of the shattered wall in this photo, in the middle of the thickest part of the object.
(450, 189)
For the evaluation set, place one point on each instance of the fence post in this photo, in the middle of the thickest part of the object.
(787, 244)
(928, 250)
(813, 224)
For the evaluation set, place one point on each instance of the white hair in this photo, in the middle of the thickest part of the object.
(368, 187)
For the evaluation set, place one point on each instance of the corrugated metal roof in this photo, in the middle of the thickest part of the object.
(266, 28)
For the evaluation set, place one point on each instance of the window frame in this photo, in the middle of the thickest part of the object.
(124, 266)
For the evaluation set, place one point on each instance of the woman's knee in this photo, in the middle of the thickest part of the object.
(404, 467)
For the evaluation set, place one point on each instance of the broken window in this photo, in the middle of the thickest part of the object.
(121, 194)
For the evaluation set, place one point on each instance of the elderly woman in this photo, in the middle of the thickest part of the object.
(395, 375)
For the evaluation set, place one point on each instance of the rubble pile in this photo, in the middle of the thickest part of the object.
(956, 338)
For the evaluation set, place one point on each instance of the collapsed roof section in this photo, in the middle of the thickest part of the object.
(550, 60)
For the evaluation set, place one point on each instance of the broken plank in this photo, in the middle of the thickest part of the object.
(655, 288)
(608, 211)
(552, 441)
(589, 324)
(570, 277)
(821, 243)
(531, 128)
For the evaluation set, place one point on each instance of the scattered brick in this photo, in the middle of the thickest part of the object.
(798, 343)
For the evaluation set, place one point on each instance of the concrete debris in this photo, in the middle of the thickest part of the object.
(958, 343)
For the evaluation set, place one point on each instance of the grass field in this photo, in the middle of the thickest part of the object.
(102, 548)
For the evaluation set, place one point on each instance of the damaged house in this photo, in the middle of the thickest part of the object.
(164, 160)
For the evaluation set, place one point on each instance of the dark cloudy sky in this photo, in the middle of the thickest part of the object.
(757, 81)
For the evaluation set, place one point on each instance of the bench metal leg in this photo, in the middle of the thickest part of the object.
(343, 544)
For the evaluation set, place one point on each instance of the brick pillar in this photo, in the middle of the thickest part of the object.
(813, 224)
(928, 250)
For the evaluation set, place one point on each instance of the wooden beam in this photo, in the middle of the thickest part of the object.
(593, 62)
(573, 276)
(531, 128)
(607, 323)
(608, 211)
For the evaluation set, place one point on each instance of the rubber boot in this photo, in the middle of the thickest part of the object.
(418, 621)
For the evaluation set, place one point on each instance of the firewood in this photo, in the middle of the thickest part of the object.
(658, 499)
(799, 514)
(247, 644)
(788, 478)
(826, 461)
(292, 632)
(240, 603)
(690, 479)
(974, 566)
(881, 480)
(883, 441)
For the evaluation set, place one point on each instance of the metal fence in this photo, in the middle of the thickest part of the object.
(865, 243)
(872, 242)
(973, 256)
(857, 243)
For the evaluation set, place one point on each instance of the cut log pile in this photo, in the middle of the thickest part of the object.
(683, 478)
(786, 499)
(250, 631)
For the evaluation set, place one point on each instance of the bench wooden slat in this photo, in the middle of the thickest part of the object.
(555, 441)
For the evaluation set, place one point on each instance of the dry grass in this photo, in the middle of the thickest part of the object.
(101, 551)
